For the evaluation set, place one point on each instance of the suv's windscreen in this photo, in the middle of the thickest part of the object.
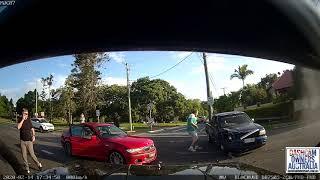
(110, 131)
(43, 121)
(234, 120)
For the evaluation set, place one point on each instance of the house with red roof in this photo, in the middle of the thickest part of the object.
(283, 83)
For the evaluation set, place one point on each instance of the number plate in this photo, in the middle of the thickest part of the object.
(249, 140)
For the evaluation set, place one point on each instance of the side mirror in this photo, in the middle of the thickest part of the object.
(87, 137)
(252, 119)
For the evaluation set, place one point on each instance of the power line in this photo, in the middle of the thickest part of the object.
(172, 66)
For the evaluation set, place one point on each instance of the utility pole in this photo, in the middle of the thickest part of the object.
(129, 101)
(36, 98)
(204, 56)
(36, 92)
(224, 90)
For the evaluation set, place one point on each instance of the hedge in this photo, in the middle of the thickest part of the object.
(275, 110)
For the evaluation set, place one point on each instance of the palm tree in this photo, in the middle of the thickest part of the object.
(241, 73)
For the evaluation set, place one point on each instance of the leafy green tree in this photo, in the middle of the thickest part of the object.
(86, 77)
(223, 104)
(241, 73)
(5, 107)
(253, 94)
(66, 101)
(114, 99)
(267, 81)
(28, 101)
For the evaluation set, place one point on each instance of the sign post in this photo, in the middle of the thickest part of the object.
(150, 119)
(16, 114)
(210, 100)
(98, 114)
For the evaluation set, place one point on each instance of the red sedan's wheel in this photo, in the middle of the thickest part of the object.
(67, 149)
(116, 158)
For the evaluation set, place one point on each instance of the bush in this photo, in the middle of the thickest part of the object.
(274, 110)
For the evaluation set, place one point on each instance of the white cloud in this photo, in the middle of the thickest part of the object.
(119, 57)
(114, 80)
(58, 81)
(63, 65)
(189, 90)
(30, 85)
(10, 93)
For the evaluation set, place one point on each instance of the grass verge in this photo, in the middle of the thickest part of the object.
(4, 121)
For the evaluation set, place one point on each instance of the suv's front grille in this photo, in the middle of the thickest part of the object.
(256, 134)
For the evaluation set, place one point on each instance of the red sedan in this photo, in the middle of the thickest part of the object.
(107, 142)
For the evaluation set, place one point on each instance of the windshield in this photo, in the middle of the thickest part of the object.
(110, 131)
(234, 120)
(43, 121)
(152, 120)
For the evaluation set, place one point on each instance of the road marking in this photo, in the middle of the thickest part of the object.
(197, 152)
(173, 136)
(50, 153)
(182, 129)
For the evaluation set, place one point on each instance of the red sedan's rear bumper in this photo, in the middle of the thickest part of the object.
(140, 159)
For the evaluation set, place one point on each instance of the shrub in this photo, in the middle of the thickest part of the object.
(274, 110)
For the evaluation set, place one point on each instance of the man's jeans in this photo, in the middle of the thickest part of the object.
(24, 146)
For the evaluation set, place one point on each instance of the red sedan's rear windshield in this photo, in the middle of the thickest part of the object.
(110, 131)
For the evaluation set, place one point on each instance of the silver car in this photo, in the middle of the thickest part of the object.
(42, 124)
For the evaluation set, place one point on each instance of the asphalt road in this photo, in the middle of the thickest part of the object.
(172, 145)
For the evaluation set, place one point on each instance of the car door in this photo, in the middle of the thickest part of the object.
(75, 139)
(91, 145)
(35, 123)
(214, 127)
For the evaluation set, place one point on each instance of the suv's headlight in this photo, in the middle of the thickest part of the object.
(134, 150)
(262, 132)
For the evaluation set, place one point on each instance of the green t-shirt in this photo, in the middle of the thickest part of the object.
(193, 120)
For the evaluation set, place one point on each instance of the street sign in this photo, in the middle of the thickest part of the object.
(149, 106)
(98, 112)
(210, 101)
(150, 121)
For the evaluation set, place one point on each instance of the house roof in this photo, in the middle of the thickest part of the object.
(285, 81)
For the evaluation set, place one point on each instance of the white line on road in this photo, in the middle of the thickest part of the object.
(171, 136)
(50, 153)
(182, 129)
(197, 152)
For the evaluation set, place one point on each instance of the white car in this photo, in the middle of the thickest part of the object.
(42, 124)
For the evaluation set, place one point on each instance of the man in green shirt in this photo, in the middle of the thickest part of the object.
(192, 129)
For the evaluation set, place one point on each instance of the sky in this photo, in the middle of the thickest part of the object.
(188, 77)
